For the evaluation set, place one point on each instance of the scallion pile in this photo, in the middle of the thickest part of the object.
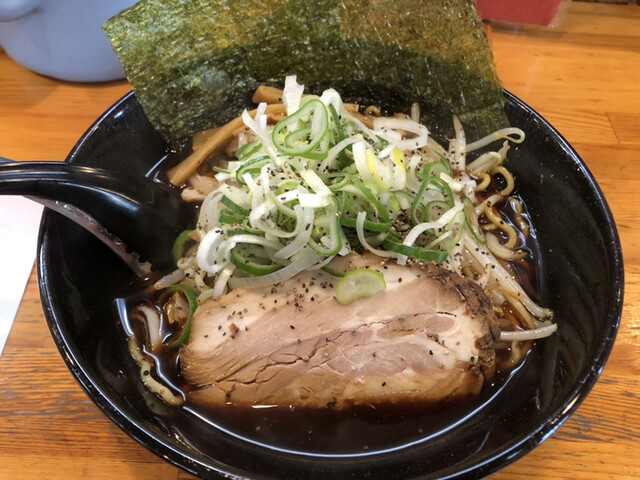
(318, 184)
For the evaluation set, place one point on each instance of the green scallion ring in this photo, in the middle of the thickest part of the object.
(179, 246)
(415, 252)
(193, 305)
(359, 283)
(252, 268)
(234, 207)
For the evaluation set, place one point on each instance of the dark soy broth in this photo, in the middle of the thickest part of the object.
(356, 430)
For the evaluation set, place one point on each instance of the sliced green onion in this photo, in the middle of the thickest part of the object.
(248, 149)
(244, 231)
(350, 209)
(452, 231)
(360, 221)
(340, 136)
(229, 218)
(222, 170)
(328, 224)
(367, 225)
(234, 207)
(471, 221)
(302, 262)
(437, 227)
(301, 133)
(432, 189)
(381, 211)
(333, 272)
(434, 169)
(434, 209)
(251, 166)
(303, 231)
(179, 246)
(189, 295)
(243, 258)
(415, 252)
(336, 182)
(359, 283)
(193, 306)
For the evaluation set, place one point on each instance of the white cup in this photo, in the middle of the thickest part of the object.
(61, 38)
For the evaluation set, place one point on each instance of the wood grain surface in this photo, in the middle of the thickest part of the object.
(583, 76)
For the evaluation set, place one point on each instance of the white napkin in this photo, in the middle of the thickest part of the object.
(19, 223)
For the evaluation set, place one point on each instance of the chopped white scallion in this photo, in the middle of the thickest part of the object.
(261, 133)
(206, 255)
(292, 94)
(444, 219)
(304, 227)
(388, 127)
(360, 219)
(301, 263)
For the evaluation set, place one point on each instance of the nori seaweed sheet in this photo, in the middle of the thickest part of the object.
(194, 63)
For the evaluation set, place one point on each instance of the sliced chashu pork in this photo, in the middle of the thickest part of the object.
(428, 337)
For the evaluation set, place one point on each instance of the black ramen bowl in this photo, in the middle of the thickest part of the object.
(582, 281)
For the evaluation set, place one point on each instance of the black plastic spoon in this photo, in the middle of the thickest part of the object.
(136, 217)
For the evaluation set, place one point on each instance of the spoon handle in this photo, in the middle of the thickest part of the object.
(134, 209)
(77, 215)
(62, 180)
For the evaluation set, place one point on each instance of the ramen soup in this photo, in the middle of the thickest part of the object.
(351, 284)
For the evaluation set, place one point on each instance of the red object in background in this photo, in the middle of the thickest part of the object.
(531, 12)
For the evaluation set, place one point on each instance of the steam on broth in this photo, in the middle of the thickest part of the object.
(303, 183)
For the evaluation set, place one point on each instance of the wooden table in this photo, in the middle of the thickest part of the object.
(583, 76)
